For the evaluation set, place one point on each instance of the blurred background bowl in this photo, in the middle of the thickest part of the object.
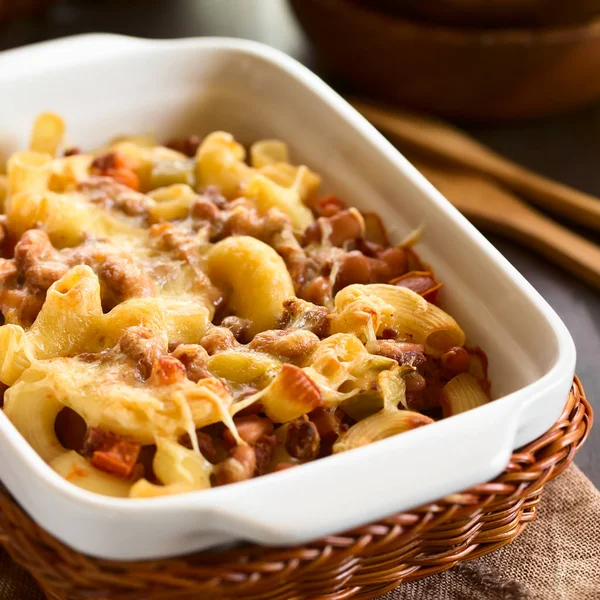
(457, 72)
(491, 13)
(12, 9)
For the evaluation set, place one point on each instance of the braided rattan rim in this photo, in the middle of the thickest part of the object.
(360, 564)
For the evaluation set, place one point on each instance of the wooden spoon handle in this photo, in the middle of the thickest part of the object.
(491, 207)
(437, 138)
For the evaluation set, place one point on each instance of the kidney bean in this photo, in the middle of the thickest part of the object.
(303, 439)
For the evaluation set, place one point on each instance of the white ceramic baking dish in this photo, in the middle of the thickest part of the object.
(106, 85)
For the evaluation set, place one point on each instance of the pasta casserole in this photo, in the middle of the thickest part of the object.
(183, 316)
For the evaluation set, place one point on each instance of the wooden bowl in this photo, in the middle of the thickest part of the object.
(479, 74)
(492, 13)
(13, 9)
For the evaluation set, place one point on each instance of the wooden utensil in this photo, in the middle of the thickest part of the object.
(487, 204)
(436, 138)
(467, 72)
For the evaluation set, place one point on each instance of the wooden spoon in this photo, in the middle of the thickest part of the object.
(439, 139)
(489, 205)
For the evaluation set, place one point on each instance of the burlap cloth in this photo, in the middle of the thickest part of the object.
(556, 558)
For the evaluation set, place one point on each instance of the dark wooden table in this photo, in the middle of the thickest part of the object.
(566, 147)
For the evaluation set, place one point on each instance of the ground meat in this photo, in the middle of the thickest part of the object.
(8, 271)
(21, 306)
(25, 278)
(44, 273)
(299, 314)
(403, 352)
(194, 358)
(123, 279)
(186, 246)
(318, 291)
(355, 267)
(109, 193)
(142, 346)
(213, 194)
(33, 246)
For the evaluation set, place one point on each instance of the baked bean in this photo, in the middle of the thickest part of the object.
(293, 345)
(238, 466)
(218, 339)
(415, 382)
(455, 361)
(123, 279)
(327, 422)
(318, 291)
(188, 145)
(329, 206)
(375, 230)
(250, 428)
(342, 227)
(263, 450)
(396, 260)
(302, 439)
(421, 282)
(354, 268)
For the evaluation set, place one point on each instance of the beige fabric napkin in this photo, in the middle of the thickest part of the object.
(556, 558)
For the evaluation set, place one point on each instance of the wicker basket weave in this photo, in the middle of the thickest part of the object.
(360, 564)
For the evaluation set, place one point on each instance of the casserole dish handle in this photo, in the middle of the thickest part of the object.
(476, 446)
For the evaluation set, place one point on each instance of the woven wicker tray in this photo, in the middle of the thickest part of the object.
(359, 564)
